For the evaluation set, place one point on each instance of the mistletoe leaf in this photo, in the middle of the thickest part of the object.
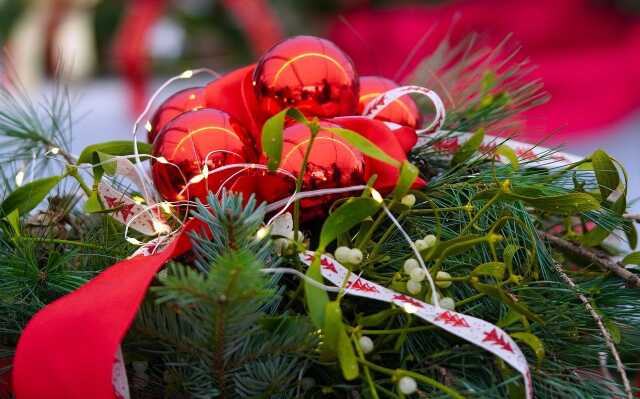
(346, 217)
(632, 259)
(27, 197)
(316, 298)
(493, 269)
(508, 152)
(118, 147)
(499, 294)
(606, 173)
(347, 356)
(408, 174)
(469, 147)
(272, 131)
(532, 341)
(363, 144)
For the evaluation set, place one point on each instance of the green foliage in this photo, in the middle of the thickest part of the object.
(215, 320)
(120, 147)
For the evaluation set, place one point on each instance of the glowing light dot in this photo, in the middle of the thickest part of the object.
(162, 160)
(138, 199)
(54, 150)
(148, 126)
(19, 178)
(262, 233)
(166, 207)
(186, 74)
(197, 179)
(376, 196)
(134, 241)
(409, 308)
(160, 228)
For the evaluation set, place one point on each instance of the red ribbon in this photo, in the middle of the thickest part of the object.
(67, 350)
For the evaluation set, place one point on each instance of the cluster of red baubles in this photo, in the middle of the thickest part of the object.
(205, 128)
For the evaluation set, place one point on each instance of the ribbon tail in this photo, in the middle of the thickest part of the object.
(68, 349)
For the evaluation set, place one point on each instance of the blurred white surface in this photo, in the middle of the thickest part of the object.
(103, 111)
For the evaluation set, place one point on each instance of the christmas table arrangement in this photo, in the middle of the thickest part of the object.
(293, 229)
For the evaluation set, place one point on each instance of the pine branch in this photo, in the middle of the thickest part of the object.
(603, 330)
(631, 279)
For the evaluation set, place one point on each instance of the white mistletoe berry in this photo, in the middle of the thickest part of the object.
(421, 245)
(414, 287)
(408, 200)
(447, 303)
(443, 279)
(429, 240)
(407, 385)
(409, 265)
(366, 344)
(343, 254)
(355, 256)
(417, 274)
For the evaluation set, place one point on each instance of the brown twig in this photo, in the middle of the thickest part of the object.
(632, 280)
(603, 330)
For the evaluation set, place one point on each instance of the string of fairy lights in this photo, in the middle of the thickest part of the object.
(152, 203)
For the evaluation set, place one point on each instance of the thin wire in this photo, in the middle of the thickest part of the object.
(434, 294)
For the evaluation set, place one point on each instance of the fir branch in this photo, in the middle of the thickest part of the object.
(631, 279)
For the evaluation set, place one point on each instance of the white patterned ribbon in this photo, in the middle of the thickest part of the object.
(479, 332)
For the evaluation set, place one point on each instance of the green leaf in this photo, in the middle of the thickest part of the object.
(606, 173)
(332, 326)
(614, 331)
(508, 152)
(499, 294)
(346, 217)
(532, 341)
(27, 197)
(93, 204)
(631, 233)
(347, 356)
(107, 163)
(375, 319)
(468, 148)
(315, 297)
(563, 204)
(632, 259)
(119, 147)
(272, 137)
(493, 269)
(363, 144)
(408, 174)
(454, 246)
(13, 218)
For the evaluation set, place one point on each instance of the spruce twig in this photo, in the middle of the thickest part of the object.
(631, 279)
(603, 330)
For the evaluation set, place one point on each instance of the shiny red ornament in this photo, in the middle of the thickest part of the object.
(402, 111)
(308, 73)
(190, 99)
(332, 163)
(189, 142)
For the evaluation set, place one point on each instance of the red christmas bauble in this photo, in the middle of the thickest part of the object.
(402, 111)
(332, 163)
(190, 99)
(189, 142)
(308, 73)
